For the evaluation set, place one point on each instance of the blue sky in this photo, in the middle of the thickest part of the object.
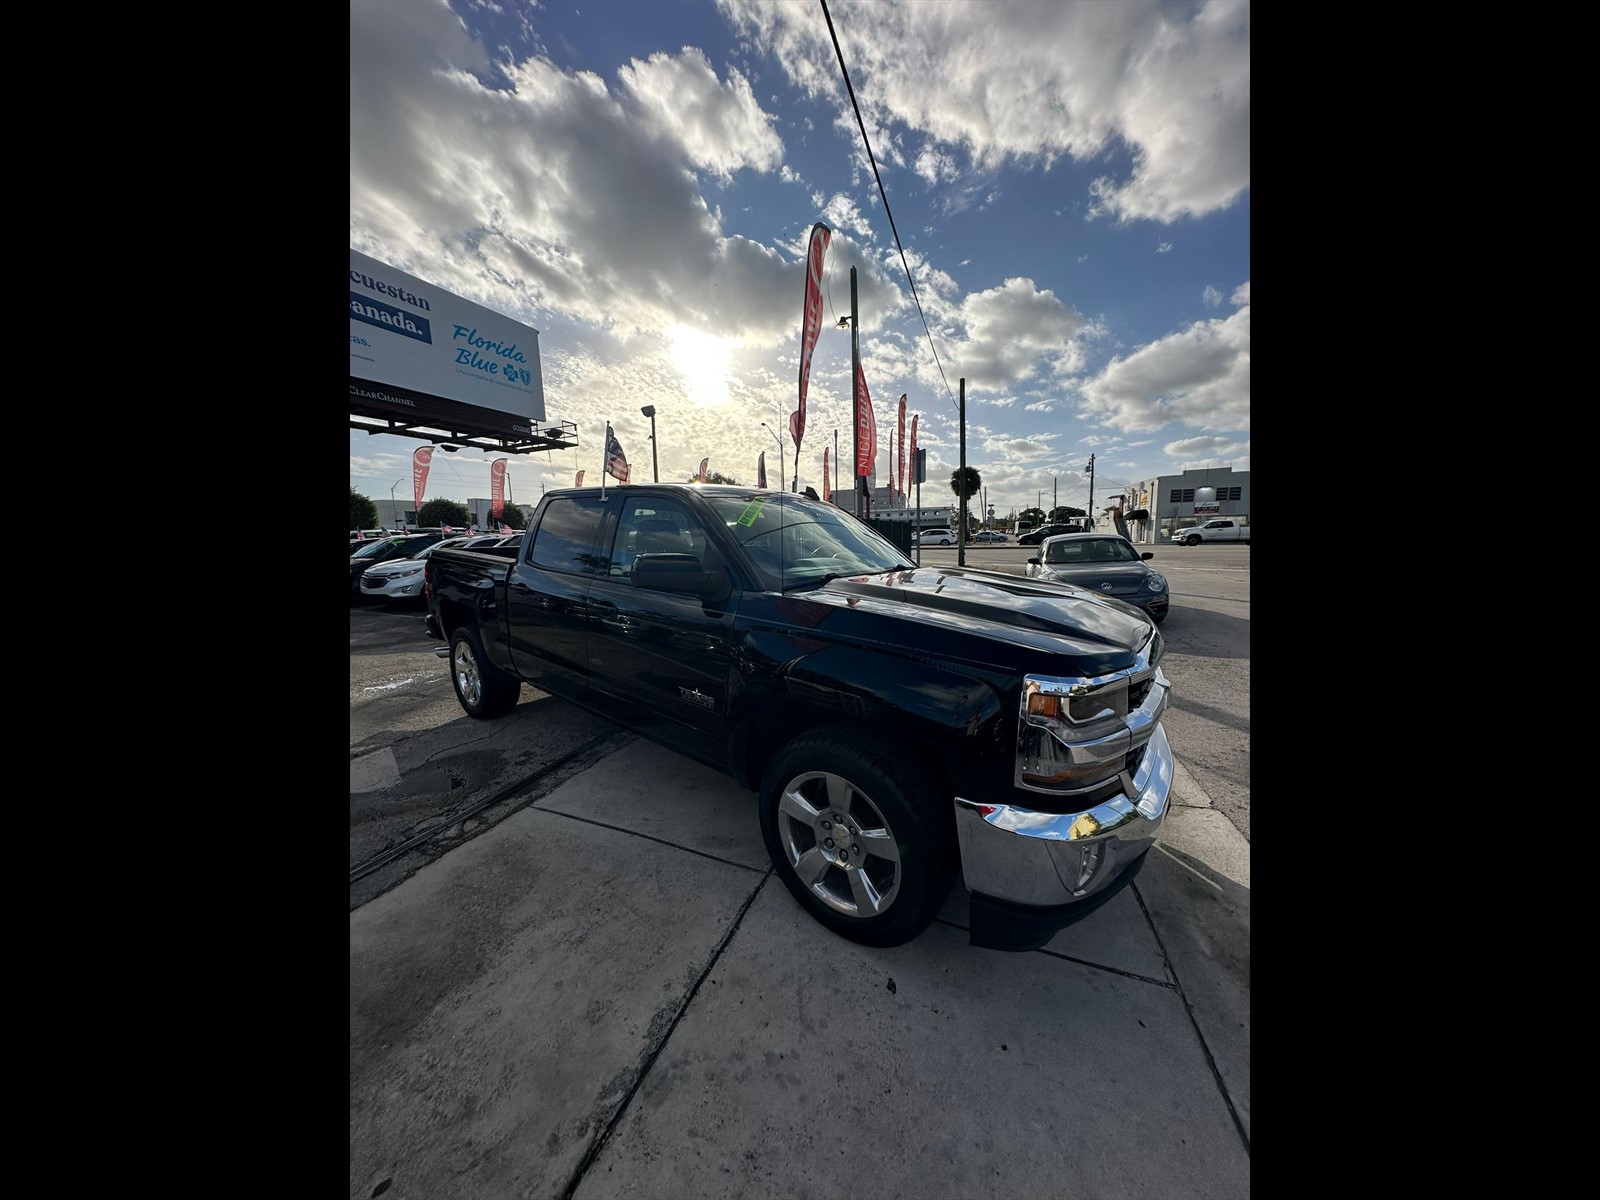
(636, 180)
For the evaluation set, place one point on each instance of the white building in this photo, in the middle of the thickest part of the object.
(1169, 501)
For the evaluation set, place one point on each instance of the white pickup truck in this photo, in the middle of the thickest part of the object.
(1219, 529)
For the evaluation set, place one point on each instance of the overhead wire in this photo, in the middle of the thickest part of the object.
(871, 158)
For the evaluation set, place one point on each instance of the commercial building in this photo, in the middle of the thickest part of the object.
(402, 514)
(1169, 503)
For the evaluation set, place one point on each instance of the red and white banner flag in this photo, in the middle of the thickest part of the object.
(914, 417)
(497, 487)
(827, 486)
(761, 470)
(704, 462)
(900, 471)
(866, 427)
(420, 461)
(578, 481)
(810, 326)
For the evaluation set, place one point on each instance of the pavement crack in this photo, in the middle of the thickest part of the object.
(1188, 1009)
(655, 1051)
(647, 837)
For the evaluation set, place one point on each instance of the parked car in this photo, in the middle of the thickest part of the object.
(900, 724)
(1222, 529)
(933, 537)
(1107, 563)
(385, 550)
(1035, 537)
(401, 578)
(989, 535)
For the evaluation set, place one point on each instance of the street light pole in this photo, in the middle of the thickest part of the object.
(779, 440)
(855, 417)
(649, 410)
(392, 500)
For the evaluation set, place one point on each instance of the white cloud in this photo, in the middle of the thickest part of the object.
(964, 262)
(999, 401)
(934, 164)
(841, 213)
(1039, 406)
(1210, 445)
(1211, 296)
(1241, 294)
(789, 175)
(1199, 375)
(1035, 82)
(721, 126)
(1014, 329)
(1163, 247)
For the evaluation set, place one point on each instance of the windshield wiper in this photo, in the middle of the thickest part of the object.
(816, 581)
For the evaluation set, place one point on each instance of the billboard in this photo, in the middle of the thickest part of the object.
(1205, 502)
(423, 340)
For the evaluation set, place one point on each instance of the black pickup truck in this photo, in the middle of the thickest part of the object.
(900, 723)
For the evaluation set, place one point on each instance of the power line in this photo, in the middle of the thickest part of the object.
(873, 160)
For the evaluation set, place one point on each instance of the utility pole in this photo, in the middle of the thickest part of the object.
(961, 498)
(1055, 495)
(1091, 491)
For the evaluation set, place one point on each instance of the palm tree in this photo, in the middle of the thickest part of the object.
(965, 483)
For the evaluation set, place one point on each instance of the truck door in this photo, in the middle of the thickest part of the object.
(547, 594)
(665, 655)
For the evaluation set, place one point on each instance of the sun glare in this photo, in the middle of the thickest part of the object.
(703, 359)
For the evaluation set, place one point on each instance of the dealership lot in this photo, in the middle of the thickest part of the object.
(573, 973)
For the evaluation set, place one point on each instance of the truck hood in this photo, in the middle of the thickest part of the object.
(1016, 619)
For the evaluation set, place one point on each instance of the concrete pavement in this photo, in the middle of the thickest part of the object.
(607, 994)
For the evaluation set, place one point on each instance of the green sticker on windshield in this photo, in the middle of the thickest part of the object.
(749, 515)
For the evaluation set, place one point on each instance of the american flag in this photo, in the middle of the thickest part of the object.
(506, 529)
(616, 460)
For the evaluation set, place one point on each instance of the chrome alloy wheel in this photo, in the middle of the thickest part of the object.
(465, 665)
(839, 844)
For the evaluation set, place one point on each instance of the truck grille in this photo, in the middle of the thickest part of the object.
(1138, 690)
(367, 581)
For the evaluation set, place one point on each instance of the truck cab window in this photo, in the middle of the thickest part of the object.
(565, 538)
(650, 525)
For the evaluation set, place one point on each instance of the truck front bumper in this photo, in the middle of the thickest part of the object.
(1033, 873)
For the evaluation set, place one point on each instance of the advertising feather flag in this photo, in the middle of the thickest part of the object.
(761, 470)
(827, 488)
(497, 487)
(421, 459)
(578, 480)
(866, 427)
(810, 326)
(900, 470)
(704, 462)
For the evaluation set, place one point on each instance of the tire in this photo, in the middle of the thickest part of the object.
(891, 804)
(483, 689)
(1191, 540)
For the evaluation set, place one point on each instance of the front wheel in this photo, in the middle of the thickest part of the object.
(861, 836)
(1191, 540)
(483, 688)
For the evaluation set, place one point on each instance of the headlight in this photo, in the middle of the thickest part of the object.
(1156, 583)
(407, 573)
(1073, 733)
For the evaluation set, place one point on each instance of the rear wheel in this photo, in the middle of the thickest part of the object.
(483, 688)
(860, 836)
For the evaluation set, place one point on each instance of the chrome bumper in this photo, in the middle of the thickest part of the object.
(1045, 859)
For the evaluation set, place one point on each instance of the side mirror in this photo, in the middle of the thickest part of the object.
(1033, 562)
(1147, 555)
(680, 573)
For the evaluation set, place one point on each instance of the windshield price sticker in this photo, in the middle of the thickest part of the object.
(748, 517)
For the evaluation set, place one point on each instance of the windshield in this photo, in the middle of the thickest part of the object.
(791, 541)
(1090, 550)
(369, 551)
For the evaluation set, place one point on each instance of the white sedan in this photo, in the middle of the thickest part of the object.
(401, 578)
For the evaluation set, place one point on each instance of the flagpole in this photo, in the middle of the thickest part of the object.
(605, 448)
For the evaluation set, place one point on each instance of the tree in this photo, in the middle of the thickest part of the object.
(444, 512)
(512, 515)
(1031, 516)
(715, 477)
(965, 482)
(1063, 512)
(363, 512)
